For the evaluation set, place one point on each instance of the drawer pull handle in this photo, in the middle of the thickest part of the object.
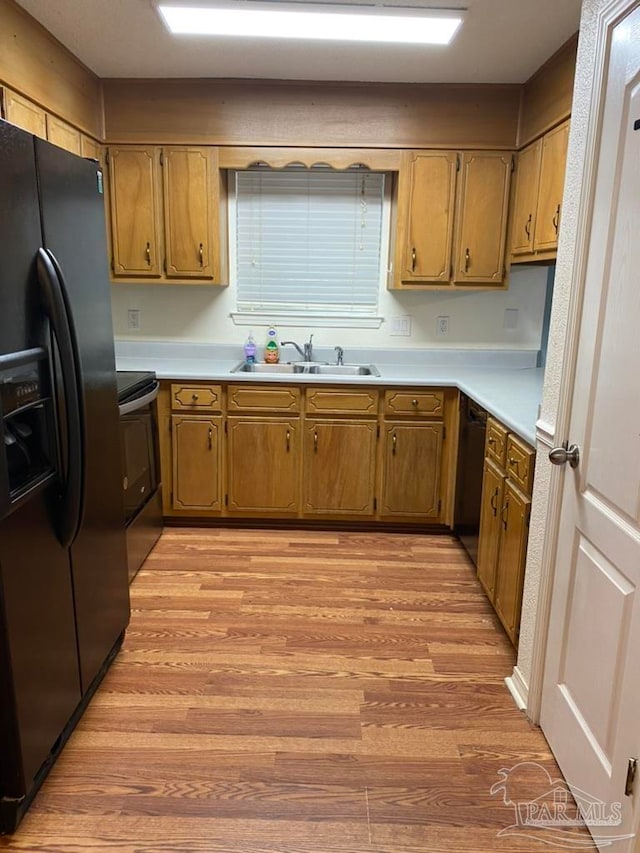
(556, 219)
(147, 253)
(394, 441)
(467, 260)
(505, 518)
(201, 255)
(413, 259)
(315, 442)
(513, 461)
(527, 226)
(210, 439)
(494, 504)
(288, 440)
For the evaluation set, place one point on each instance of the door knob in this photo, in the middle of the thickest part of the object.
(564, 454)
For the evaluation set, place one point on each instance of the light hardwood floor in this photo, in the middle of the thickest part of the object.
(296, 692)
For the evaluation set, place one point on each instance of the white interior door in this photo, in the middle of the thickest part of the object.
(591, 692)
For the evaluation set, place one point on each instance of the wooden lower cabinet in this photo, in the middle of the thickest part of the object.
(504, 523)
(514, 520)
(263, 465)
(196, 451)
(492, 502)
(411, 477)
(339, 461)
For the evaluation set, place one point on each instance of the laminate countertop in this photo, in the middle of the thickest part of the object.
(505, 384)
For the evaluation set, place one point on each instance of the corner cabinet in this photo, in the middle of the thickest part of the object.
(537, 205)
(452, 219)
(164, 213)
(504, 523)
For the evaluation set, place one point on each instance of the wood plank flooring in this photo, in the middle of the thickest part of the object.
(296, 692)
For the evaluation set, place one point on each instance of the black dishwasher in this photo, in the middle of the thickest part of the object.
(473, 427)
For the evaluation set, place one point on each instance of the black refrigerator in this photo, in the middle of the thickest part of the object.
(64, 599)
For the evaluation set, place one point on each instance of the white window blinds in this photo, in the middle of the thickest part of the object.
(308, 240)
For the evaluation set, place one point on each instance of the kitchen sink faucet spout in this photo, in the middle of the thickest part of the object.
(306, 353)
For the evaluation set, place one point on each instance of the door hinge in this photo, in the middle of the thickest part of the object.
(457, 162)
(225, 428)
(451, 271)
(162, 158)
(444, 432)
(106, 157)
(378, 431)
(632, 772)
(226, 500)
(164, 266)
(375, 504)
(171, 498)
(439, 505)
(513, 164)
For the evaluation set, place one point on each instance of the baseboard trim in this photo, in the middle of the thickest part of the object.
(518, 688)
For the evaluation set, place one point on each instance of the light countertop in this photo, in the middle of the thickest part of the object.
(506, 384)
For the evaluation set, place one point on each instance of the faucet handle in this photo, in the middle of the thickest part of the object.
(340, 355)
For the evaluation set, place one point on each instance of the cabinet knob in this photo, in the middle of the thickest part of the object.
(414, 403)
(194, 397)
(513, 461)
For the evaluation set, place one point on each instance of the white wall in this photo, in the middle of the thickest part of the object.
(200, 313)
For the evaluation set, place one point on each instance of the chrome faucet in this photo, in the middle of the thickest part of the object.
(339, 355)
(306, 353)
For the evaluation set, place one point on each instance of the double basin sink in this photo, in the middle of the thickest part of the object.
(311, 367)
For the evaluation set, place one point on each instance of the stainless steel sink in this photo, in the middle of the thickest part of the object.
(311, 367)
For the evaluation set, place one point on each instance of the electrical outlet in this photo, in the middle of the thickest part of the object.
(133, 319)
(401, 326)
(442, 327)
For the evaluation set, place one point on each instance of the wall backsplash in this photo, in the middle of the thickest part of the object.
(197, 313)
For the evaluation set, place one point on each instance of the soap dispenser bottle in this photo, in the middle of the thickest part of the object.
(250, 350)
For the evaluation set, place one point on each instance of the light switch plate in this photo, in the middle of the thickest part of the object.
(133, 319)
(401, 326)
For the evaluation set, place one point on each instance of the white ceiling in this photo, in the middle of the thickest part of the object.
(501, 41)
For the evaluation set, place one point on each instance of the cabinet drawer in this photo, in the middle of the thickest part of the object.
(520, 463)
(196, 398)
(334, 401)
(421, 404)
(257, 398)
(496, 442)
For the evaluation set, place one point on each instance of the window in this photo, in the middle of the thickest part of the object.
(309, 242)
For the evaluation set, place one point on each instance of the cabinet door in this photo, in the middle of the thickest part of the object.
(263, 464)
(514, 518)
(188, 212)
(63, 135)
(526, 199)
(490, 525)
(196, 445)
(427, 255)
(135, 210)
(339, 467)
(552, 169)
(411, 476)
(482, 207)
(23, 113)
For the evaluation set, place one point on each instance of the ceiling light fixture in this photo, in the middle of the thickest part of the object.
(336, 23)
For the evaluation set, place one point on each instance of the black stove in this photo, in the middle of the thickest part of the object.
(133, 383)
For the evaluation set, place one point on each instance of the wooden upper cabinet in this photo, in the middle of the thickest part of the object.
(552, 170)
(427, 251)
(63, 135)
(481, 216)
(526, 199)
(134, 183)
(189, 204)
(90, 148)
(25, 114)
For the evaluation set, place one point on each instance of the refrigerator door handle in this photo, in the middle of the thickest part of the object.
(56, 306)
